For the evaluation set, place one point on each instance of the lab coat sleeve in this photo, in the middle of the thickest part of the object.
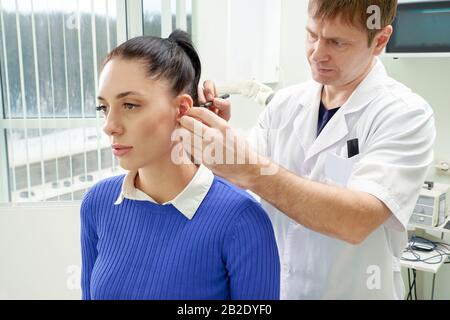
(282, 108)
(261, 134)
(395, 160)
(251, 256)
(89, 241)
(258, 137)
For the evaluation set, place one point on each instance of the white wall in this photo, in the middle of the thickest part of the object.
(238, 40)
(293, 65)
(40, 252)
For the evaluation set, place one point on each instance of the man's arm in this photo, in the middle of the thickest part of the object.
(346, 214)
(341, 213)
(395, 164)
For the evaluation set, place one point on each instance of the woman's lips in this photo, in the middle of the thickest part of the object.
(121, 151)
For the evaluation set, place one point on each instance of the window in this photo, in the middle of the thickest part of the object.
(52, 147)
(161, 17)
(51, 144)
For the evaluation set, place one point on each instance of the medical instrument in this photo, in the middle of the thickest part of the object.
(259, 92)
(209, 104)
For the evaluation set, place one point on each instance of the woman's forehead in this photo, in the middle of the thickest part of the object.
(123, 69)
(119, 76)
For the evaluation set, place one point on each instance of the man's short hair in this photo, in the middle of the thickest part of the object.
(354, 12)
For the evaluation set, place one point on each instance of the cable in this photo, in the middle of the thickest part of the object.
(415, 287)
(442, 249)
(409, 285)
(415, 246)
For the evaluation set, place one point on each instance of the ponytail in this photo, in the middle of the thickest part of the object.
(173, 59)
(183, 40)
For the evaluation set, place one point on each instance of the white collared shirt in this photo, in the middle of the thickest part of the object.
(187, 201)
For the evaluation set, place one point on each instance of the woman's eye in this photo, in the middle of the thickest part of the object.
(130, 106)
(102, 109)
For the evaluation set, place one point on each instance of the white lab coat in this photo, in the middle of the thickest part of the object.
(396, 132)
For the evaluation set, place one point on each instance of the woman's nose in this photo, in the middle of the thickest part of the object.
(113, 126)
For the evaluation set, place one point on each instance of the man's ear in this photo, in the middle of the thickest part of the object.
(382, 39)
(184, 102)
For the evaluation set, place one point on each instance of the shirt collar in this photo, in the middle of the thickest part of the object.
(187, 201)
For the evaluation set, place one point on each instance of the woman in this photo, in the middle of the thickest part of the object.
(167, 230)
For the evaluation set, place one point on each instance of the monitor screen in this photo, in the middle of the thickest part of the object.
(421, 27)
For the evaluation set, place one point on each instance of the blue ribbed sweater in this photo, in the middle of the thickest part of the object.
(143, 250)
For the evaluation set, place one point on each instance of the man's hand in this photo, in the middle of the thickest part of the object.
(211, 141)
(207, 93)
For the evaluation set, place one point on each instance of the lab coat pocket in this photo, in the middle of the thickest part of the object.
(338, 169)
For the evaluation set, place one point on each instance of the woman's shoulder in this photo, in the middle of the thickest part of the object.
(110, 185)
(239, 210)
(225, 191)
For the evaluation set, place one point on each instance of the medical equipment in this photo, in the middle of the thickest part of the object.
(209, 104)
(447, 225)
(255, 90)
(432, 206)
(443, 166)
(421, 244)
(421, 28)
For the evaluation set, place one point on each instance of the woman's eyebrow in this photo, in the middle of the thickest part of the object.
(123, 95)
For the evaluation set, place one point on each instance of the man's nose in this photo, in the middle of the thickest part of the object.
(320, 52)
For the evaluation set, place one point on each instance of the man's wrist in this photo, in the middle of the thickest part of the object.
(256, 172)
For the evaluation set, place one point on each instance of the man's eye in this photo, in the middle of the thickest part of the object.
(339, 44)
(312, 37)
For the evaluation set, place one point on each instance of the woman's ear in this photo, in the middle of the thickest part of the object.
(184, 103)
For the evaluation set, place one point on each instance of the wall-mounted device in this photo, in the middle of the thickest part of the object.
(421, 28)
(432, 206)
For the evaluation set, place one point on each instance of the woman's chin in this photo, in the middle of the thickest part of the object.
(127, 165)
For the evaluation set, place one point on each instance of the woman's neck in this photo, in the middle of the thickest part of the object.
(165, 180)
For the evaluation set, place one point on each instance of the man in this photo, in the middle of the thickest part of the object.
(353, 147)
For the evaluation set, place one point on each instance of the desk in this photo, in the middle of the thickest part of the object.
(434, 259)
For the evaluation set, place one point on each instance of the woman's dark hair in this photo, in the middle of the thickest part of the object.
(173, 59)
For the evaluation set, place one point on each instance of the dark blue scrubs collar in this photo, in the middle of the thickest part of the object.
(325, 115)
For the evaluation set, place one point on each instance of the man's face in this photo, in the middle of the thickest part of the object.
(144, 119)
(337, 52)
